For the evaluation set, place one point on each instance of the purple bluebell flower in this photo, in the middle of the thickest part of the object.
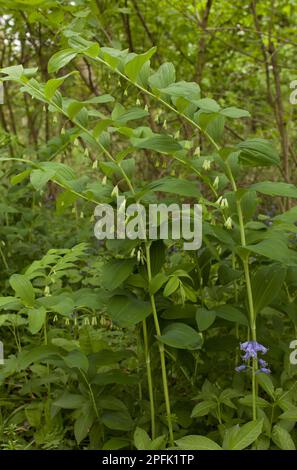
(262, 363)
(264, 370)
(251, 349)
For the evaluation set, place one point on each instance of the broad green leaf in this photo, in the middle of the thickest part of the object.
(53, 84)
(230, 313)
(115, 377)
(23, 289)
(257, 152)
(282, 438)
(203, 408)
(83, 423)
(121, 115)
(14, 72)
(81, 44)
(275, 249)
(197, 443)
(77, 359)
(39, 178)
(178, 186)
(266, 384)
(266, 285)
(159, 142)
(142, 441)
(234, 113)
(133, 67)
(188, 90)
(205, 318)
(128, 311)
(115, 272)
(208, 105)
(278, 188)
(60, 59)
(5, 302)
(171, 286)
(16, 179)
(157, 282)
(181, 336)
(288, 217)
(37, 317)
(117, 420)
(248, 401)
(70, 401)
(116, 443)
(245, 435)
(164, 76)
(290, 414)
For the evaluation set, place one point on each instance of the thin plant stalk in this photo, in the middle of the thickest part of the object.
(161, 349)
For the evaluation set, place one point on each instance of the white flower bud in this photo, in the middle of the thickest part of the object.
(197, 151)
(115, 192)
(206, 165)
(216, 182)
(224, 203)
(229, 224)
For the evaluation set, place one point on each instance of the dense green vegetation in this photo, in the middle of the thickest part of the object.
(124, 344)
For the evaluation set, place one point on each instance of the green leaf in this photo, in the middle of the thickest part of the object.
(177, 186)
(142, 441)
(290, 414)
(39, 178)
(205, 318)
(117, 420)
(203, 408)
(14, 72)
(7, 301)
(37, 318)
(208, 105)
(164, 76)
(23, 289)
(115, 272)
(282, 438)
(245, 435)
(275, 249)
(60, 59)
(272, 188)
(52, 85)
(257, 152)
(121, 115)
(248, 401)
(116, 443)
(188, 90)
(157, 282)
(83, 423)
(128, 311)
(266, 384)
(230, 313)
(181, 336)
(70, 401)
(115, 377)
(234, 113)
(77, 359)
(266, 285)
(159, 142)
(171, 286)
(133, 67)
(16, 179)
(197, 443)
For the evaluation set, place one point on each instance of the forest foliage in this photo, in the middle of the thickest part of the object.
(123, 344)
